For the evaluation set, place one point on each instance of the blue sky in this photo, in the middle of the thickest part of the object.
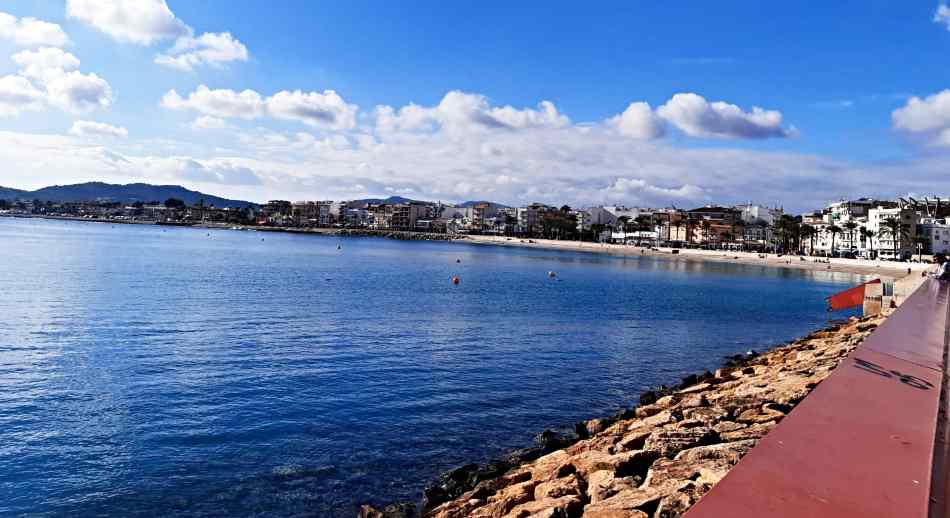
(833, 82)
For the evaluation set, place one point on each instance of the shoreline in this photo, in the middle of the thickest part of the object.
(655, 459)
(884, 269)
(889, 269)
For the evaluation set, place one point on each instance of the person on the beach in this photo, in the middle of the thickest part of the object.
(943, 268)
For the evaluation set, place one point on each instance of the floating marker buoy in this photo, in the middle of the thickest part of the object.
(456, 280)
(339, 247)
(458, 260)
(552, 275)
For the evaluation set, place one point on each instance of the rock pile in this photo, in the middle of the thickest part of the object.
(659, 459)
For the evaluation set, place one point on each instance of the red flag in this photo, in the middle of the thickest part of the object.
(849, 298)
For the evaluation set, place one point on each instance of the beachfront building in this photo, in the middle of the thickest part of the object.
(890, 241)
(314, 213)
(751, 213)
(276, 212)
(529, 219)
(936, 235)
(714, 226)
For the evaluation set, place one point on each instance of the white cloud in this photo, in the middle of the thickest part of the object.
(213, 49)
(83, 128)
(325, 109)
(928, 117)
(146, 22)
(459, 112)
(639, 121)
(30, 32)
(696, 117)
(17, 95)
(942, 15)
(45, 64)
(314, 109)
(207, 122)
(625, 189)
(79, 93)
(193, 170)
(56, 71)
(222, 103)
(142, 22)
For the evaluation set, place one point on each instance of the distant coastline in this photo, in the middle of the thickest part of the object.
(890, 269)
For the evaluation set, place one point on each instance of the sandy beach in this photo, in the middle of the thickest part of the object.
(889, 269)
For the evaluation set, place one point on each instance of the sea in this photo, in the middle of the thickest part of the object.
(168, 371)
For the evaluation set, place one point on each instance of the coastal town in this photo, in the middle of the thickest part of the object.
(902, 229)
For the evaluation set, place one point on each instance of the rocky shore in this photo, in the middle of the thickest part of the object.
(402, 235)
(655, 460)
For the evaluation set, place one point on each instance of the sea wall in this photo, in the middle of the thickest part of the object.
(362, 232)
(657, 459)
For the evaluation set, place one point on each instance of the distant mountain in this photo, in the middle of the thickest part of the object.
(130, 193)
(7, 193)
(391, 199)
(476, 202)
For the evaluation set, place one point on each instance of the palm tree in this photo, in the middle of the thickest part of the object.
(737, 224)
(690, 226)
(869, 235)
(622, 221)
(893, 228)
(678, 224)
(788, 228)
(706, 225)
(850, 226)
(834, 230)
(808, 232)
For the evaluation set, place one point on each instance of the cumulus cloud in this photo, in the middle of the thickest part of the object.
(200, 171)
(460, 111)
(17, 94)
(942, 15)
(325, 109)
(314, 109)
(638, 121)
(30, 32)
(222, 103)
(79, 93)
(928, 118)
(142, 22)
(696, 117)
(624, 189)
(45, 64)
(65, 87)
(83, 128)
(146, 22)
(213, 49)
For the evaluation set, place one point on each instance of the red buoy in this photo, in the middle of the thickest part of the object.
(456, 280)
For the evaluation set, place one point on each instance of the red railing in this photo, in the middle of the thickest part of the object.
(870, 441)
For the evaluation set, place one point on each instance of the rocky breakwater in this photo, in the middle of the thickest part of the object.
(658, 459)
(398, 234)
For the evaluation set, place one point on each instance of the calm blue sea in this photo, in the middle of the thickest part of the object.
(150, 371)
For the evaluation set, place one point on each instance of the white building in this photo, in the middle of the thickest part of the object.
(758, 213)
(936, 233)
(885, 244)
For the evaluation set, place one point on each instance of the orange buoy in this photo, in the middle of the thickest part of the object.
(456, 280)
